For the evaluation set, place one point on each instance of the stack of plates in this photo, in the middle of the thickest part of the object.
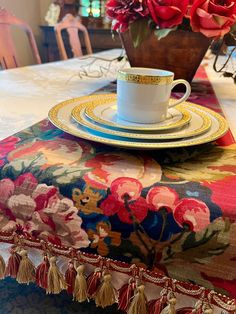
(95, 118)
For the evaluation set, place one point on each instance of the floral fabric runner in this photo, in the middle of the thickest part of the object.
(169, 210)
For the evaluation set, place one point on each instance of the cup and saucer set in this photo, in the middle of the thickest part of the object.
(142, 115)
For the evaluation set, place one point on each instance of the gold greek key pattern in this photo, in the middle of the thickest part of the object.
(145, 79)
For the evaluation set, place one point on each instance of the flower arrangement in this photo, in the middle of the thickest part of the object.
(212, 18)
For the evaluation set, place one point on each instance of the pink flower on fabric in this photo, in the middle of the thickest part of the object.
(125, 201)
(162, 197)
(6, 146)
(67, 223)
(44, 194)
(20, 202)
(26, 183)
(22, 206)
(7, 188)
(192, 212)
(26, 178)
(38, 210)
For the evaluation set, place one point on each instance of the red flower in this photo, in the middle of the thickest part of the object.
(126, 186)
(125, 201)
(167, 13)
(193, 213)
(160, 197)
(137, 210)
(6, 146)
(27, 180)
(213, 18)
(124, 12)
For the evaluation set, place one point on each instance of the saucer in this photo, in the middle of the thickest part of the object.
(199, 124)
(104, 113)
(60, 116)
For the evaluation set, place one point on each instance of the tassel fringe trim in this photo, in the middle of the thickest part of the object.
(98, 285)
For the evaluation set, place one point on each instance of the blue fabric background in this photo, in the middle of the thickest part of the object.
(30, 299)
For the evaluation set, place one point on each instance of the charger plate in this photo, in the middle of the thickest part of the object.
(60, 116)
(104, 113)
(199, 123)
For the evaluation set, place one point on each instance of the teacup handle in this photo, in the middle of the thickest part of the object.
(186, 95)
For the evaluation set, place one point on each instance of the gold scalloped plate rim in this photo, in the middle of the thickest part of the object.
(53, 117)
(78, 112)
(89, 112)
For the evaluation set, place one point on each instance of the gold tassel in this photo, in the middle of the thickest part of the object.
(139, 303)
(106, 293)
(26, 271)
(207, 309)
(80, 291)
(170, 308)
(56, 281)
(2, 268)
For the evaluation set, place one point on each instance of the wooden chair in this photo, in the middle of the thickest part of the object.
(8, 57)
(72, 25)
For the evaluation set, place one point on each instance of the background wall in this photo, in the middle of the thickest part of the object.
(33, 12)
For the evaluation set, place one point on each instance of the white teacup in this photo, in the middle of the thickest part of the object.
(144, 94)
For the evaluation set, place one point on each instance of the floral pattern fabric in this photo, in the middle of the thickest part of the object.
(173, 210)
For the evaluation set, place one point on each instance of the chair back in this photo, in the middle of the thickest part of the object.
(8, 57)
(72, 25)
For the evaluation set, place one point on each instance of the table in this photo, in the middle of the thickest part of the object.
(30, 85)
(42, 87)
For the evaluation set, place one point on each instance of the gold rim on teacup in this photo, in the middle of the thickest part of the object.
(145, 79)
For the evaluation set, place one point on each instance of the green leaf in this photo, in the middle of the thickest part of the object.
(201, 246)
(23, 165)
(139, 30)
(161, 33)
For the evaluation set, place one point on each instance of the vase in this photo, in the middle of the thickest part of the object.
(180, 52)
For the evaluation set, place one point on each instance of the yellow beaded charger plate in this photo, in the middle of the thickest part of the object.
(60, 116)
(199, 123)
(104, 113)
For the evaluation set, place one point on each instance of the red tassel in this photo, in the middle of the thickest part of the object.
(70, 276)
(185, 310)
(13, 263)
(156, 306)
(93, 282)
(125, 294)
(42, 273)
